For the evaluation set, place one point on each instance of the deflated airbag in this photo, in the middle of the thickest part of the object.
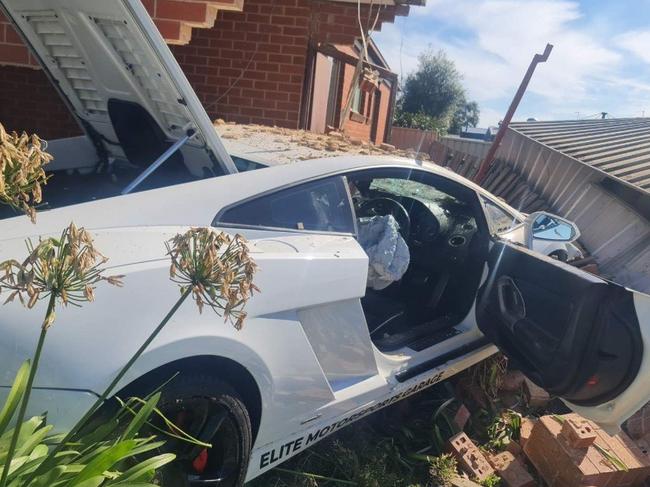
(387, 251)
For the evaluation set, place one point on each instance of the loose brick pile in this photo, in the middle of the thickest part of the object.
(568, 451)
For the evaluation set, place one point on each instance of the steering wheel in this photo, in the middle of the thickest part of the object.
(385, 207)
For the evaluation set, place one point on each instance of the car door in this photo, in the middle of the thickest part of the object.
(577, 335)
(319, 270)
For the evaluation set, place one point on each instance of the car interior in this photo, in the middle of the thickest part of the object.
(442, 224)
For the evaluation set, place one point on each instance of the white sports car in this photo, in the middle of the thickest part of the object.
(379, 276)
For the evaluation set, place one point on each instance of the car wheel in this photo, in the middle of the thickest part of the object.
(561, 255)
(211, 411)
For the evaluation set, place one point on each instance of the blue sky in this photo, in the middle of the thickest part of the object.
(600, 60)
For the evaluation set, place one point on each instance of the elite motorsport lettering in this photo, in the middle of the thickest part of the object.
(276, 454)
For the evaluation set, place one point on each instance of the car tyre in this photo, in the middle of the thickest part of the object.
(210, 410)
(561, 255)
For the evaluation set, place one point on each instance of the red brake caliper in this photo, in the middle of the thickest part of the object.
(201, 461)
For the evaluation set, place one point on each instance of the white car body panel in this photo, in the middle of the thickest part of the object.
(305, 342)
(302, 370)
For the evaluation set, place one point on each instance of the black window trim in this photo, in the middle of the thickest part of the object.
(482, 223)
(219, 215)
(495, 201)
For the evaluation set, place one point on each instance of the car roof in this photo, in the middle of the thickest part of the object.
(197, 203)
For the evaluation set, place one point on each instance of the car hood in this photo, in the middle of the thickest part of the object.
(109, 63)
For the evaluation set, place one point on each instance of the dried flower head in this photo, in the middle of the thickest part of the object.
(64, 269)
(21, 170)
(217, 268)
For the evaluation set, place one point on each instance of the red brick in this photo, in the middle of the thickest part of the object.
(181, 10)
(561, 465)
(511, 470)
(462, 416)
(525, 430)
(469, 457)
(536, 397)
(578, 432)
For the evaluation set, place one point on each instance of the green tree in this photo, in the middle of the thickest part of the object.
(435, 88)
(434, 98)
(466, 115)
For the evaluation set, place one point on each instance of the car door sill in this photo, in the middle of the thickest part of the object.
(441, 359)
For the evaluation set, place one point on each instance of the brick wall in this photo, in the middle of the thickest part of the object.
(359, 125)
(28, 102)
(248, 68)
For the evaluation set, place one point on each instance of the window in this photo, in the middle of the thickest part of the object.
(358, 100)
(499, 219)
(321, 206)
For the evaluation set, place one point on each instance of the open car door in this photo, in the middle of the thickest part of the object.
(576, 335)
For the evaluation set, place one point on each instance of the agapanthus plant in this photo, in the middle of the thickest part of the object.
(22, 176)
(63, 270)
(217, 270)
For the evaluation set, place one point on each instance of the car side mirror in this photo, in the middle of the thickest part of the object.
(546, 226)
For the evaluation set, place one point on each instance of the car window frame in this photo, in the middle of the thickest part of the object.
(495, 201)
(220, 224)
(481, 218)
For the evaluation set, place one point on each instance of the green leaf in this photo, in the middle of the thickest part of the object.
(612, 458)
(34, 459)
(144, 469)
(95, 481)
(141, 417)
(15, 395)
(26, 431)
(34, 440)
(102, 462)
(48, 479)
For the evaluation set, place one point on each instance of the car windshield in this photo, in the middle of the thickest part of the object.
(413, 189)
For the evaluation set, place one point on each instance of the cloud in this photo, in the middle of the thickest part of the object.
(637, 42)
(493, 42)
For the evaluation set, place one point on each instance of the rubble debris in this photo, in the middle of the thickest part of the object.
(615, 461)
(511, 470)
(283, 145)
(469, 457)
(536, 397)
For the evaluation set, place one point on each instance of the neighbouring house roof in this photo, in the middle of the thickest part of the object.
(620, 146)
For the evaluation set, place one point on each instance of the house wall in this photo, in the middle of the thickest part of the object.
(322, 90)
(359, 125)
(616, 234)
(249, 68)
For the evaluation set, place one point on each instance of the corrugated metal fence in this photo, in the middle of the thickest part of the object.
(502, 179)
